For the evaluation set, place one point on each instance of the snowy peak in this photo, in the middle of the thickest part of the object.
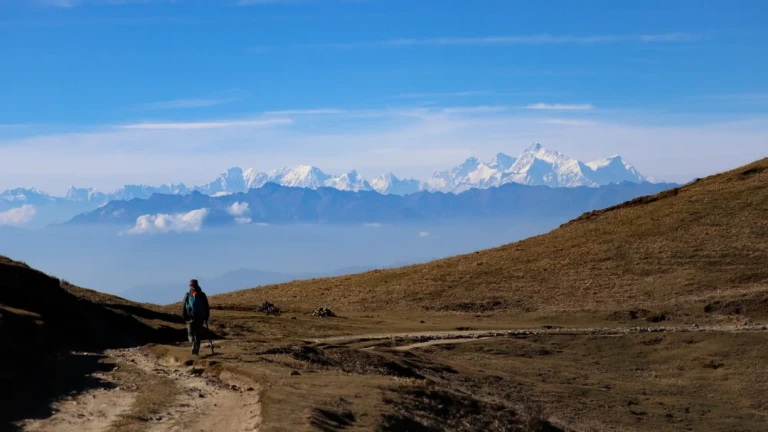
(351, 181)
(537, 165)
(231, 181)
(502, 162)
(254, 178)
(304, 176)
(538, 151)
(84, 194)
(610, 160)
(614, 169)
(22, 195)
(389, 184)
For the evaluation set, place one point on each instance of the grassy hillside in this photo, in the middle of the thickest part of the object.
(703, 244)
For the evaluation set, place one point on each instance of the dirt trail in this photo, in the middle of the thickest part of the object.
(198, 403)
(468, 335)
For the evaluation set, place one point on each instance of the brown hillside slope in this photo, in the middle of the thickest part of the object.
(704, 241)
(42, 319)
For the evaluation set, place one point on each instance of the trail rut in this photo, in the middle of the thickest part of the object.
(468, 335)
(197, 403)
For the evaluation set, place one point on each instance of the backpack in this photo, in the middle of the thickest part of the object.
(195, 307)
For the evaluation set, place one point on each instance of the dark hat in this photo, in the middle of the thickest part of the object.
(193, 282)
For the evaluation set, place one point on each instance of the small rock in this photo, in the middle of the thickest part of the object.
(421, 322)
(293, 317)
(269, 309)
(233, 387)
(249, 389)
(294, 372)
(323, 312)
(201, 395)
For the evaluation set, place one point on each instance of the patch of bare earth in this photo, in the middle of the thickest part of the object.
(147, 394)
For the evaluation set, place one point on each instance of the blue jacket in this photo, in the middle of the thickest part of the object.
(195, 308)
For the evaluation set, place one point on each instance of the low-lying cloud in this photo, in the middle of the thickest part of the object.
(238, 209)
(18, 216)
(163, 223)
(423, 234)
(241, 212)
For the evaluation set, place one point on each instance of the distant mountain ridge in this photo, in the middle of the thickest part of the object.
(537, 165)
(273, 203)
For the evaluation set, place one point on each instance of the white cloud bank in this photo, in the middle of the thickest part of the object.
(163, 223)
(18, 216)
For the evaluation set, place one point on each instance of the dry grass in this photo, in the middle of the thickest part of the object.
(648, 382)
(705, 239)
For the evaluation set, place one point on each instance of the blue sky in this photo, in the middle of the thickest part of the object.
(106, 92)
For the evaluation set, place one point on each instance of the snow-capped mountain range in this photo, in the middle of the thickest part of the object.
(537, 165)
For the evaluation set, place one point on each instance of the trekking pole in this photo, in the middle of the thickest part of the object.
(209, 337)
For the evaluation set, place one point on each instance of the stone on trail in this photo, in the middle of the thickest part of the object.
(323, 312)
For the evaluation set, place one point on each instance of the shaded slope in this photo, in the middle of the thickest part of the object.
(42, 319)
(706, 239)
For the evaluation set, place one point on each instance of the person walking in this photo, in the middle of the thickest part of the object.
(195, 311)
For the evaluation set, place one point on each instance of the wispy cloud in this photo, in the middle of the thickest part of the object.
(543, 39)
(224, 98)
(568, 122)
(440, 95)
(19, 216)
(474, 109)
(320, 111)
(423, 234)
(209, 124)
(74, 3)
(263, 2)
(565, 107)
(738, 97)
(267, 2)
(60, 3)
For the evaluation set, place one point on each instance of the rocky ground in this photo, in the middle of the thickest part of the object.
(400, 381)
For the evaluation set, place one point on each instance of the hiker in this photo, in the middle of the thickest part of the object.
(195, 312)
